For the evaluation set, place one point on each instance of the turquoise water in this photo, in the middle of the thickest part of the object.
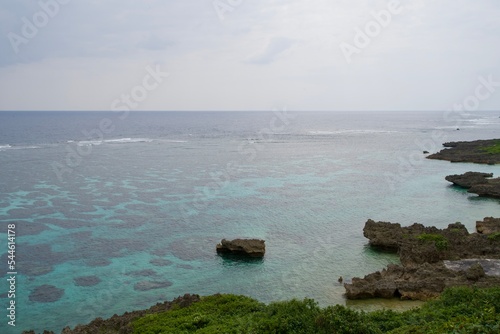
(151, 201)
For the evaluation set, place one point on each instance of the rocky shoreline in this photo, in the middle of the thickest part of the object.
(477, 151)
(481, 184)
(122, 324)
(431, 260)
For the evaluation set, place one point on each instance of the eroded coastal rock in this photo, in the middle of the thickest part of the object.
(469, 179)
(422, 251)
(488, 225)
(245, 247)
(477, 183)
(477, 151)
(418, 282)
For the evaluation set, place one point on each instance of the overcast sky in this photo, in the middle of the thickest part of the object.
(247, 54)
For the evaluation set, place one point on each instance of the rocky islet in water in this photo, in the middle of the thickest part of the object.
(477, 151)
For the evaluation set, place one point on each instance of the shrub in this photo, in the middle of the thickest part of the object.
(458, 310)
(440, 241)
(494, 236)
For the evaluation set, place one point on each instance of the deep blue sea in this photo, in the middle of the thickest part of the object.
(120, 211)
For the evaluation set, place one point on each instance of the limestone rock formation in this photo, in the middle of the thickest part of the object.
(476, 151)
(246, 247)
(469, 179)
(432, 259)
(421, 282)
(489, 225)
(477, 183)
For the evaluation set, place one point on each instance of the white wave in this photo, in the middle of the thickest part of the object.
(9, 147)
(89, 142)
(321, 133)
(175, 141)
(112, 141)
(339, 132)
(128, 140)
(484, 121)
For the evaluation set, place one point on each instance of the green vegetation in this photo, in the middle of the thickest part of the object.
(440, 241)
(458, 310)
(494, 236)
(494, 149)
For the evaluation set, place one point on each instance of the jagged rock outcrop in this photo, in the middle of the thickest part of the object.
(422, 251)
(383, 235)
(490, 189)
(417, 243)
(421, 282)
(246, 247)
(477, 183)
(488, 225)
(469, 179)
(476, 151)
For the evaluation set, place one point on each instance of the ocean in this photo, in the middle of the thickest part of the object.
(118, 211)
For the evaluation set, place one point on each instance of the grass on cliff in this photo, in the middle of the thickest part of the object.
(494, 236)
(494, 149)
(440, 242)
(458, 310)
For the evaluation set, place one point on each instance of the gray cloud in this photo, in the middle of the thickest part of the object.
(427, 57)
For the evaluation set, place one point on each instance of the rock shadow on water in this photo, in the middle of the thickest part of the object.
(238, 259)
(46, 294)
(373, 250)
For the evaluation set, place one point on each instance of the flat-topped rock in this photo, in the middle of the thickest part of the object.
(469, 179)
(477, 151)
(245, 247)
